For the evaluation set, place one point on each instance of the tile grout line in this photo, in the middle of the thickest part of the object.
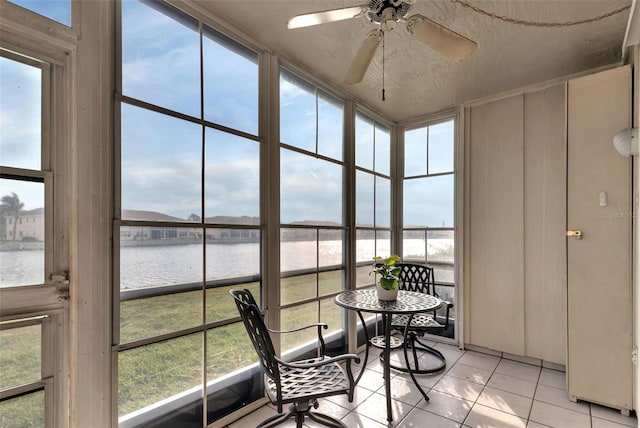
(533, 398)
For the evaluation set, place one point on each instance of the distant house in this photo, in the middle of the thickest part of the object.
(28, 226)
(156, 234)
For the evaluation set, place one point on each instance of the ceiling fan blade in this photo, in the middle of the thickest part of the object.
(445, 41)
(323, 17)
(363, 57)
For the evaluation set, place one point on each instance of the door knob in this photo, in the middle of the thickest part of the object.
(574, 234)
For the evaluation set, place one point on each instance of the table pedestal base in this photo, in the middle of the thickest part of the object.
(415, 346)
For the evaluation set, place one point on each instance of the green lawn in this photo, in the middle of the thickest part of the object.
(154, 372)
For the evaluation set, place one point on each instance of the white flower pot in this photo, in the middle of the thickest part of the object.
(386, 295)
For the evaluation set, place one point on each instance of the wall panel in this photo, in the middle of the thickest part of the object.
(544, 224)
(495, 295)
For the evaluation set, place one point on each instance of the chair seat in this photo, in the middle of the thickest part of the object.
(419, 321)
(309, 383)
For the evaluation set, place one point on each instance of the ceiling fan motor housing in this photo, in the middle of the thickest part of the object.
(382, 11)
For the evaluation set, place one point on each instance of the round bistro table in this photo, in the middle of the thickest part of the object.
(408, 303)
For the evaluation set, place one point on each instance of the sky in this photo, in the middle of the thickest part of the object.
(20, 128)
(20, 106)
(163, 158)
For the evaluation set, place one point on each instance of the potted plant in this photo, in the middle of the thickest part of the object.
(387, 285)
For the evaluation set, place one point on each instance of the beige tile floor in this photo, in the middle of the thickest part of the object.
(475, 390)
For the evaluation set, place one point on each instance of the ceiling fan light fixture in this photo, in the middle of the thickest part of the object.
(443, 40)
(388, 19)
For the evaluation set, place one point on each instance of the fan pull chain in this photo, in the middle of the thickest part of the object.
(383, 66)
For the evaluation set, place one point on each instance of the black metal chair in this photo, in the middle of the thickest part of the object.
(298, 383)
(420, 278)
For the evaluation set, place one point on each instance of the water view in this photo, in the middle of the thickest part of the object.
(154, 265)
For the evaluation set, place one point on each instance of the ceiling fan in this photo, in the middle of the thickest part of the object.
(387, 13)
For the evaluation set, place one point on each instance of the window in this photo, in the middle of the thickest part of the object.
(189, 226)
(27, 360)
(428, 201)
(21, 351)
(373, 195)
(57, 10)
(312, 234)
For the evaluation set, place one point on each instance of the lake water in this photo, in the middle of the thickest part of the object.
(147, 266)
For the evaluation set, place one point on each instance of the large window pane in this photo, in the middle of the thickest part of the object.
(161, 166)
(23, 411)
(311, 189)
(21, 111)
(298, 288)
(164, 370)
(330, 125)
(365, 197)
(414, 246)
(310, 119)
(364, 141)
(229, 348)
(230, 83)
(383, 150)
(160, 281)
(383, 202)
(159, 256)
(428, 202)
(232, 179)
(21, 233)
(441, 147)
(220, 305)
(229, 351)
(330, 248)
(296, 317)
(415, 152)
(161, 56)
(383, 243)
(298, 249)
(331, 314)
(331, 254)
(309, 257)
(20, 356)
(365, 245)
(440, 246)
(232, 253)
(297, 112)
(57, 10)
(298, 253)
(233, 261)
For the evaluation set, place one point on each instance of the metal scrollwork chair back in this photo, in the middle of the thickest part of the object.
(419, 278)
(298, 383)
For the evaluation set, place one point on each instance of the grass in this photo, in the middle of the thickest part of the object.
(154, 372)
(25, 411)
(20, 363)
(160, 370)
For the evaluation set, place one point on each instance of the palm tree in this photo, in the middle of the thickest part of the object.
(11, 205)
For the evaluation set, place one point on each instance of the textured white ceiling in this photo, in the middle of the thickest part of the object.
(418, 80)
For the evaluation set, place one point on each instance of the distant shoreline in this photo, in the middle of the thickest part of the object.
(21, 245)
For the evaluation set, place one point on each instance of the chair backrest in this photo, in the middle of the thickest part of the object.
(258, 333)
(416, 277)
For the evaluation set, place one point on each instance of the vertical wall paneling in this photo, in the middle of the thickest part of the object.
(495, 235)
(545, 266)
(516, 221)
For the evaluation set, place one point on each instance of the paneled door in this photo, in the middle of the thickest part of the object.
(599, 366)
